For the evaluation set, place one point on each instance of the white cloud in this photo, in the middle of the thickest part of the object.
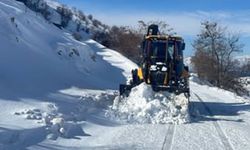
(184, 23)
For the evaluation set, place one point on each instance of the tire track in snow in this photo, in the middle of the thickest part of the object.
(221, 134)
(167, 144)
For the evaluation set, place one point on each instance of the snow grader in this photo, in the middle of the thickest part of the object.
(162, 64)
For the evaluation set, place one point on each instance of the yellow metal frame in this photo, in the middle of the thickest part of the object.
(139, 73)
(164, 37)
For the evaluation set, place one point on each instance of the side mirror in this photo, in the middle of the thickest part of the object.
(183, 46)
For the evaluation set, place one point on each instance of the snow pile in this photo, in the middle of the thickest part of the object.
(42, 115)
(58, 127)
(55, 124)
(32, 114)
(143, 105)
(188, 62)
(90, 104)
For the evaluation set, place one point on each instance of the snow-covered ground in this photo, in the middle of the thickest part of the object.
(219, 120)
(55, 93)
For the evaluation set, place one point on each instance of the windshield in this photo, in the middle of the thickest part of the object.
(162, 51)
(159, 49)
(171, 49)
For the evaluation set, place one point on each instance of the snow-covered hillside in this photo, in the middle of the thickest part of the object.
(243, 59)
(57, 93)
(39, 63)
(34, 51)
(82, 26)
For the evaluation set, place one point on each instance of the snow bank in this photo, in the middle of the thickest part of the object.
(58, 127)
(32, 114)
(143, 105)
(55, 123)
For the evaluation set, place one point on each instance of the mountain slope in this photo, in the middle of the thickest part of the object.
(34, 51)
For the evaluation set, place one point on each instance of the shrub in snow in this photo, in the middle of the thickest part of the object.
(90, 17)
(77, 36)
(31, 114)
(96, 23)
(76, 52)
(81, 15)
(93, 57)
(12, 19)
(17, 39)
(66, 15)
(39, 6)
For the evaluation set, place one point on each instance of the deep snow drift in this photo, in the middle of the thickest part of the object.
(143, 105)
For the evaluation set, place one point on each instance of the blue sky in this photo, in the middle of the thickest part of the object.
(184, 16)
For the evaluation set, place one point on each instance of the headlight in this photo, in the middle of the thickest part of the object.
(153, 68)
(164, 69)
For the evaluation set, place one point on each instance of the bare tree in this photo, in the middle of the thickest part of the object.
(45, 11)
(213, 59)
(163, 27)
(66, 14)
(245, 69)
(127, 40)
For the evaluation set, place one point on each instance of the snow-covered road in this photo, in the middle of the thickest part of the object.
(228, 113)
(219, 121)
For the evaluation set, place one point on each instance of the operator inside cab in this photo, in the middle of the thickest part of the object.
(167, 51)
(162, 51)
